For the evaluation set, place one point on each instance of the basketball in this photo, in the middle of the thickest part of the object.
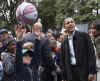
(26, 13)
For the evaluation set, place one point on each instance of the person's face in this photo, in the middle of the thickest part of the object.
(69, 24)
(23, 29)
(49, 35)
(12, 47)
(20, 28)
(36, 28)
(92, 32)
(27, 59)
(4, 36)
(60, 38)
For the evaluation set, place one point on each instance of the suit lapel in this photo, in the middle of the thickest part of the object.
(68, 55)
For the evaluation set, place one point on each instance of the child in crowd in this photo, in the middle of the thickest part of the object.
(26, 67)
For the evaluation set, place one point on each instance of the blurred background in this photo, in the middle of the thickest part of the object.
(53, 12)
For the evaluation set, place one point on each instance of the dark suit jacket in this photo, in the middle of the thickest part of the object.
(46, 61)
(84, 53)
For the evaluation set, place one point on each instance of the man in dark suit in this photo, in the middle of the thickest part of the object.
(78, 62)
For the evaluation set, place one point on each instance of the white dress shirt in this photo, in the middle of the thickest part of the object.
(70, 40)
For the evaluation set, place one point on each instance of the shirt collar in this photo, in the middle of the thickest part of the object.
(71, 36)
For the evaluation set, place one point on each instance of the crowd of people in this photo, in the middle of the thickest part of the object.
(66, 55)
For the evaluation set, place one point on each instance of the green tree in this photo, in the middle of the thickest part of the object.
(86, 11)
(81, 11)
(65, 8)
(47, 13)
(8, 12)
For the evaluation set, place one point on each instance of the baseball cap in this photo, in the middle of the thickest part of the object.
(27, 52)
(3, 31)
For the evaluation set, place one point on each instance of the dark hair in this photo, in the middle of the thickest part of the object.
(28, 29)
(91, 26)
(58, 35)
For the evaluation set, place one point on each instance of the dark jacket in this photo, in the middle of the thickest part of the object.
(97, 44)
(46, 58)
(46, 62)
(84, 53)
(27, 72)
(9, 67)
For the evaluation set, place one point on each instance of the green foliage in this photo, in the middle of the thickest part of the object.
(47, 13)
(65, 8)
(85, 11)
(2, 24)
(52, 12)
(98, 16)
(8, 13)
